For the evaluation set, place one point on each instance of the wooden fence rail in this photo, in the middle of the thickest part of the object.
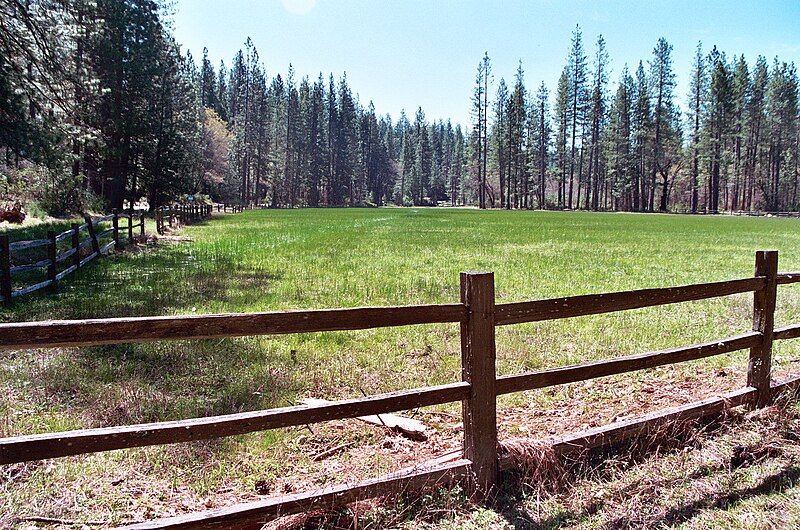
(175, 215)
(15, 257)
(478, 316)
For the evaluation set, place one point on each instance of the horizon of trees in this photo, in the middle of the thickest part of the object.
(98, 101)
(629, 147)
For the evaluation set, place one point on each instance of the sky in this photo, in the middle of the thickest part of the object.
(411, 53)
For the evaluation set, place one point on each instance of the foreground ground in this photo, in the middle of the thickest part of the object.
(264, 260)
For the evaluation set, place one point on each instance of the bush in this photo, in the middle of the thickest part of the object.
(12, 212)
(61, 193)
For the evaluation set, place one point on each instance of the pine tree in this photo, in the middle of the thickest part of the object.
(500, 137)
(720, 107)
(697, 97)
(622, 160)
(642, 131)
(663, 81)
(576, 66)
(598, 110)
(563, 114)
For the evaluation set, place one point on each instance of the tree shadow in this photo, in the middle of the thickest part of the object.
(168, 279)
(134, 383)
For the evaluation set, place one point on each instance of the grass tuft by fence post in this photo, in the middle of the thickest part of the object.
(5, 269)
(760, 365)
(478, 355)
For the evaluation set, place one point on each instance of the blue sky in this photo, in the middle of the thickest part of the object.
(403, 54)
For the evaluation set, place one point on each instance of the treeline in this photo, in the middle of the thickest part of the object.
(630, 148)
(99, 107)
(97, 101)
(312, 143)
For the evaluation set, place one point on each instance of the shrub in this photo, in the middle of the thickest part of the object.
(12, 212)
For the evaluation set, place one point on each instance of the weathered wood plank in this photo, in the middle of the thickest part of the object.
(30, 266)
(5, 269)
(593, 304)
(143, 329)
(52, 255)
(105, 249)
(76, 245)
(64, 235)
(789, 384)
(65, 255)
(764, 300)
(784, 278)
(415, 429)
(623, 430)
(787, 332)
(92, 235)
(253, 515)
(24, 245)
(59, 444)
(31, 288)
(478, 360)
(594, 369)
(66, 272)
(89, 258)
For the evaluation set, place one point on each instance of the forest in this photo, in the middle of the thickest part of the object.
(100, 108)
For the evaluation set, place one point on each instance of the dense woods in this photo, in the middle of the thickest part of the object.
(101, 108)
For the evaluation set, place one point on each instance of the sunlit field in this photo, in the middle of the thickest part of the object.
(266, 260)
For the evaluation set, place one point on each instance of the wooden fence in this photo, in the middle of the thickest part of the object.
(62, 254)
(176, 215)
(478, 468)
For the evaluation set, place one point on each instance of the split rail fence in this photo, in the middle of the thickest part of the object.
(59, 255)
(175, 215)
(478, 468)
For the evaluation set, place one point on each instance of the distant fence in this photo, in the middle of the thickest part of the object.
(176, 215)
(61, 254)
(478, 466)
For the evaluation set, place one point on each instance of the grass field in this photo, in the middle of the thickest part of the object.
(290, 259)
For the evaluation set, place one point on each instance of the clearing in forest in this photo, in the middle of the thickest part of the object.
(292, 259)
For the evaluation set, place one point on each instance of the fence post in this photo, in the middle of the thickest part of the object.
(141, 224)
(5, 269)
(76, 245)
(760, 365)
(130, 226)
(52, 253)
(92, 235)
(115, 225)
(478, 369)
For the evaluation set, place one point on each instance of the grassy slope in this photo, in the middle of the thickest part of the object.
(262, 260)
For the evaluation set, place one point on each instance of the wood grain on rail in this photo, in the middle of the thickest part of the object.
(593, 304)
(59, 444)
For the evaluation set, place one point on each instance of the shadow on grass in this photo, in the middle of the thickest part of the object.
(170, 279)
(133, 383)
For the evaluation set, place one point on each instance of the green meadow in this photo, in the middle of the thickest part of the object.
(264, 260)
